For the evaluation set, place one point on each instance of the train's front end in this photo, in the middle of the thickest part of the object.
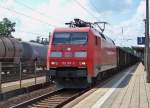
(67, 57)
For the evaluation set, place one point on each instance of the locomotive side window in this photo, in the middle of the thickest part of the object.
(70, 38)
(96, 40)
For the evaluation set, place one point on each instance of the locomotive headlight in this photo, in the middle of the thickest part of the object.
(83, 63)
(54, 63)
(81, 54)
(56, 54)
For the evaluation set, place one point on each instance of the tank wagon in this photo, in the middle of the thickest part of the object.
(10, 50)
(13, 51)
(80, 54)
(34, 52)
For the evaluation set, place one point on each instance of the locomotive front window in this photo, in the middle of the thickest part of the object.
(70, 38)
(78, 38)
(61, 38)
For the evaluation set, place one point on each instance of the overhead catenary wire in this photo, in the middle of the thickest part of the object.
(86, 10)
(20, 3)
(41, 13)
(90, 13)
(28, 32)
(28, 7)
(93, 5)
(41, 35)
(27, 16)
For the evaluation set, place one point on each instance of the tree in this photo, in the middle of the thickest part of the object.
(6, 27)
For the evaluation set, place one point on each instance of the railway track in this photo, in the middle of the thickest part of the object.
(61, 97)
(58, 98)
(54, 99)
(26, 97)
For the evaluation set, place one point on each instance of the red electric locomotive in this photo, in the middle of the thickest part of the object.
(78, 54)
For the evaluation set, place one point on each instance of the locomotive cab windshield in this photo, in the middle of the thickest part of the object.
(70, 38)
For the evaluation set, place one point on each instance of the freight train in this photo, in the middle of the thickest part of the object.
(13, 52)
(78, 55)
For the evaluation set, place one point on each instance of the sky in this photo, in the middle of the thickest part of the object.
(39, 17)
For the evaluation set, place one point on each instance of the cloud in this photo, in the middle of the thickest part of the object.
(132, 28)
(57, 12)
(3, 12)
(111, 5)
(129, 2)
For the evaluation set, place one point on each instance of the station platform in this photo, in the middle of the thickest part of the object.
(24, 83)
(128, 89)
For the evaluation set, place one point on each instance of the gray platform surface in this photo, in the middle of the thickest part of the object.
(136, 93)
(25, 83)
(126, 90)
